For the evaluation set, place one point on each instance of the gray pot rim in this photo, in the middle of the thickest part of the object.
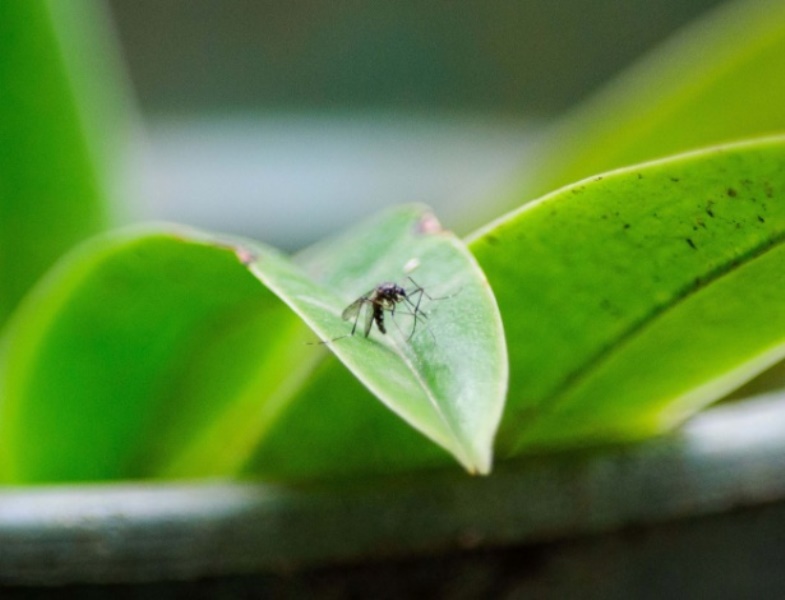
(728, 457)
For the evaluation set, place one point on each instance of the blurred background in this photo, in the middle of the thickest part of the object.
(288, 121)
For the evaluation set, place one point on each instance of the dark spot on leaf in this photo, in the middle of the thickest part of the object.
(640, 175)
(691, 243)
(675, 179)
(626, 226)
(610, 307)
(731, 192)
(599, 178)
(761, 219)
(492, 239)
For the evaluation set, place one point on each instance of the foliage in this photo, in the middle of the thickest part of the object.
(629, 300)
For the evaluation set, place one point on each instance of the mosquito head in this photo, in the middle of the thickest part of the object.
(389, 293)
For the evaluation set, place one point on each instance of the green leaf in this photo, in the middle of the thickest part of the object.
(335, 428)
(719, 80)
(52, 192)
(135, 350)
(158, 354)
(447, 380)
(635, 298)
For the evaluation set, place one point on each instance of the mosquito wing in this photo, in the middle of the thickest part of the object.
(351, 311)
(369, 316)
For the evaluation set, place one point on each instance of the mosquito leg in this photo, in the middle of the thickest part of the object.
(368, 317)
(417, 312)
(419, 289)
(392, 318)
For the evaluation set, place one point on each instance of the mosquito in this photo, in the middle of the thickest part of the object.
(385, 298)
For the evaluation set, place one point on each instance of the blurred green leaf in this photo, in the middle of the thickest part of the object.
(719, 80)
(135, 348)
(334, 427)
(633, 299)
(52, 192)
(103, 95)
(50, 195)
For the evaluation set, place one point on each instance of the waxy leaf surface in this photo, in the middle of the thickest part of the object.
(632, 299)
(445, 375)
(173, 353)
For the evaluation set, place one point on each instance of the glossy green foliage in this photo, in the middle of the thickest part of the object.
(629, 300)
(160, 354)
(447, 380)
(719, 80)
(131, 348)
(336, 428)
(51, 195)
(633, 299)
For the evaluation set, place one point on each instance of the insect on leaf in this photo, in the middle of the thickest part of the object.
(443, 371)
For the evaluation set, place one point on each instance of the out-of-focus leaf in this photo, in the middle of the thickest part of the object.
(51, 191)
(719, 80)
(633, 299)
(139, 352)
(335, 428)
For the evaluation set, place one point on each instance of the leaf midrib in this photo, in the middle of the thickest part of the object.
(551, 402)
(453, 431)
(453, 438)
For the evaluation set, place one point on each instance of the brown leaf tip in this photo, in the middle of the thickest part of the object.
(244, 255)
(428, 224)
